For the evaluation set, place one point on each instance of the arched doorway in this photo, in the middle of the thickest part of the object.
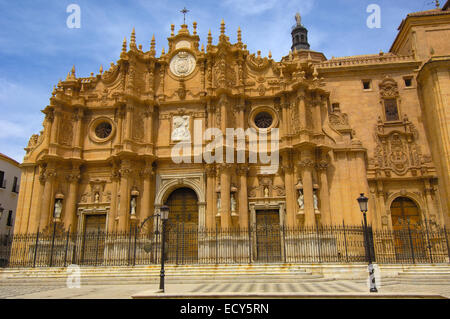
(182, 226)
(406, 224)
(404, 212)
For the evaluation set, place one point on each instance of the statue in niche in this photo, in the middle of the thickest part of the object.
(266, 191)
(300, 200)
(133, 205)
(96, 197)
(233, 203)
(58, 208)
(218, 202)
(180, 128)
(316, 200)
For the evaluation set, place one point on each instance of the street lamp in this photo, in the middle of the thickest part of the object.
(164, 212)
(362, 201)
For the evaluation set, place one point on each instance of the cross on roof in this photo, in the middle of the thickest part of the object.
(184, 11)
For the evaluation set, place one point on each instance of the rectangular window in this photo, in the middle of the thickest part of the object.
(2, 180)
(391, 110)
(408, 82)
(15, 186)
(9, 221)
(366, 84)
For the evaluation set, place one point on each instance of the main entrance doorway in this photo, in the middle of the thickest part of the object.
(406, 223)
(268, 236)
(182, 226)
(93, 239)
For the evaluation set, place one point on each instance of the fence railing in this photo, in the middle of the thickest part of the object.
(266, 244)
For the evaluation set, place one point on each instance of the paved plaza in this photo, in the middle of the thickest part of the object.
(337, 287)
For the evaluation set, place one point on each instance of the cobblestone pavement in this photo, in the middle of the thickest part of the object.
(126, 291)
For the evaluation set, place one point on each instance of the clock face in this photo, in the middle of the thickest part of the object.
(182, 64)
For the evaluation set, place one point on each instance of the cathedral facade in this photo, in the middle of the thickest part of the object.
(118, 145)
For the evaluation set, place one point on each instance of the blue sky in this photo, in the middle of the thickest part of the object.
(37, 48)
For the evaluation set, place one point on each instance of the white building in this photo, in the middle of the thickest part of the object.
(9, 189)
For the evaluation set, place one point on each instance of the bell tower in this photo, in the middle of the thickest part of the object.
(299, 35)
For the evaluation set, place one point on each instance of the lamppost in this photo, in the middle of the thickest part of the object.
(362, 201)
(164, 212)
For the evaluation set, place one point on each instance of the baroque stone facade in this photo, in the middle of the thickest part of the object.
(374, 124)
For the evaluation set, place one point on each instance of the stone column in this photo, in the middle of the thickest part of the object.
(210, 189)
(288, 169)
(286, 126)
(306, 165)
(147, 174)
(78, 139)
(70, 212)
(125, 172)
(317, 116)
(243, 198)
(46, 209)
(149, 125)
(120, 115)
(113, 213)
(428, 190)
(325, 212)
(225, 214)
(302, 108)
(128, 126)
(54, 128)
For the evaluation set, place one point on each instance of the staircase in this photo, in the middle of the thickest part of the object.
(425, 275)
(184, 274)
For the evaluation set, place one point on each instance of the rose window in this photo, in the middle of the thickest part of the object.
(263, 120)
(103, 130)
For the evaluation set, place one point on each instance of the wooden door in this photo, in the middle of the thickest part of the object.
(182, 226)
(268, 236)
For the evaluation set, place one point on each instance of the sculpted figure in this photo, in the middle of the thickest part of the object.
(133, 206)
(58, 208)
(300, 201)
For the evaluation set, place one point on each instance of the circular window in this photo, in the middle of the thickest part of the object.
(103, 130)
(263, 120)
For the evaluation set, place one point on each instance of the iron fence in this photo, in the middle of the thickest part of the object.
(263, 244)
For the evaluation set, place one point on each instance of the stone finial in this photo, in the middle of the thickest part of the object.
(239, 35)
(133, 39)
(203, 48)
(163, 52)
(101, 69)
(124, 45)
(73, 70)
(222, 27)
(172, 30)
(270, 54)
(438, 5)
(152, 45)
(209, 37)
(194, 24)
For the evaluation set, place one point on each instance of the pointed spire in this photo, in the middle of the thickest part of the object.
(133, 39)
(163, 52)
(101, 69)
(270, 54)
(152, 46)
(203, 48)
(209, 37)
(124, 45)
(73, 70)
(239, 35)
(222, 27)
